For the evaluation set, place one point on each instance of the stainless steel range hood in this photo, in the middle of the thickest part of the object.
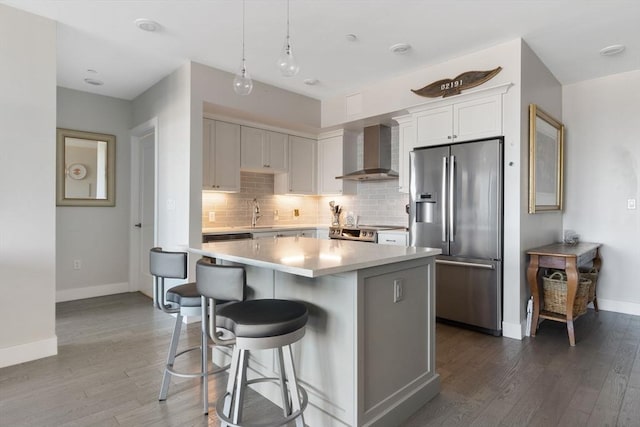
(376, 156)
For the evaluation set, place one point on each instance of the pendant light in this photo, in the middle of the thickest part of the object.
(286, 62)
(242, 83)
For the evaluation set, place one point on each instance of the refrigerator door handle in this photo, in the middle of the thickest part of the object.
(443, 202)
(465, 264)
(452, 208)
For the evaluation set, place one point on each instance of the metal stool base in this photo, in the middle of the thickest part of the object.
(304, 399)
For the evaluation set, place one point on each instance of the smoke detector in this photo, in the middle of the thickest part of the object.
(147, 24)
(400, 48)
(612, 50)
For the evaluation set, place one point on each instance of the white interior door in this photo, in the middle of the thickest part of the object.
(146, 211)
(143, 234)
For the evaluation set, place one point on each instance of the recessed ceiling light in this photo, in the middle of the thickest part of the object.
(310, 82)
(351, 37)
(612, 50)
(147, 24)
(94, 82)
(400, 48)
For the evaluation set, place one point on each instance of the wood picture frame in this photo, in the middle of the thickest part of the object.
(85, 169)
(546, 162)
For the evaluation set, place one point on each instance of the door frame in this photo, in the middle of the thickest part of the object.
(137, 133)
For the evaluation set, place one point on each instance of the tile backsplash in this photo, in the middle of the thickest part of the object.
(234, 209)
(377, 203)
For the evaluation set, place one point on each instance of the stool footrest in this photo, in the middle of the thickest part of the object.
(198, 374)
(304, 399)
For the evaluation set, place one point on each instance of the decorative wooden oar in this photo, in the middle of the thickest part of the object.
(449, 87)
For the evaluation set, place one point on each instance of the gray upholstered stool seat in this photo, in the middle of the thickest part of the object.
(255, 325)
(262, 318)
(186, 295)
(181, 300)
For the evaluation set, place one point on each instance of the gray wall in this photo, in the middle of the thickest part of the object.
(27, 186)
(539, 87)
(602, 172)
(97, 236)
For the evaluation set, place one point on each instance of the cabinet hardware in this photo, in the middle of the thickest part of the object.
(138, 225)
(448, 136)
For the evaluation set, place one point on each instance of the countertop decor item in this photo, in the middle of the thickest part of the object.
(336, 210)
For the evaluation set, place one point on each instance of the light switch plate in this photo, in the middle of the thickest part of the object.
(212, 216)
(631, 203)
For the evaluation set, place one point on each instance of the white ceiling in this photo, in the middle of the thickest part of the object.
(100, 35)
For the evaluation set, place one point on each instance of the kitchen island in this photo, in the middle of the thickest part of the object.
(368, 356)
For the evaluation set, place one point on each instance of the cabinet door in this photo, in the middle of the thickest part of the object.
(227, 156)
(276, 151)
(434, 126)
(251, 147)
(301, 178)
(221, 156)
(479, 118)
(330, 158)
(208, 130)
(406, 136)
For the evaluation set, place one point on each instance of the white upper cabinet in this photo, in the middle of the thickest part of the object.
(263, 151)
(331, 160)
(301, 178)
(220, 156)
(478, 118)
(406, 137)
(434, 126)
(457, 122)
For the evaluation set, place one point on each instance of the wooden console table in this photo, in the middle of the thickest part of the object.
(562, 257)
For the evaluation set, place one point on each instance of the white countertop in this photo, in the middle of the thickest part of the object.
(311, 257)
(260, 228)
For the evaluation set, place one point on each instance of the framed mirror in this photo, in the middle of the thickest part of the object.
(546, 157)
(85, 172)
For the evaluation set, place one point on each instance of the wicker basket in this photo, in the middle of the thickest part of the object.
(555, 294)
(591, 274)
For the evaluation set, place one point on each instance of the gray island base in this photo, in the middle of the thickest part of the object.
(368, 356)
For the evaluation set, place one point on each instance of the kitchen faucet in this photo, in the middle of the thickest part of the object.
(255, 213)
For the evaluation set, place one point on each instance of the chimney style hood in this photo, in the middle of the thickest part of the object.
(376, 156)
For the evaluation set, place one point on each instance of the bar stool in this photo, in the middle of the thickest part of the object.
(255, 325)
(182, 300)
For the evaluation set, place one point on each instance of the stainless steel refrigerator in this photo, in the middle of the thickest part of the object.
(456, 205)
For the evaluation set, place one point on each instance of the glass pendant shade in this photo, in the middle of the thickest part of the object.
(242, 83)
(286, 62)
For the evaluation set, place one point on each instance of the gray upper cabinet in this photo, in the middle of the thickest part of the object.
(263, 151)
(301, 178)
(221, 156)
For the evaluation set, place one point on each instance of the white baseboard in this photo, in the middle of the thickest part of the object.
(26, 352)
(514, 330)
(91, 291)
(619, 306)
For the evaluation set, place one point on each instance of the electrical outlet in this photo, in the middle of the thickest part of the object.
(398, 290)
(631, 203)
(77, 264)
(212, 216)
(276, 215)
(296, 212)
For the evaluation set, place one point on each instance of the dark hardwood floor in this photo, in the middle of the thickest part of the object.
(112, 351)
